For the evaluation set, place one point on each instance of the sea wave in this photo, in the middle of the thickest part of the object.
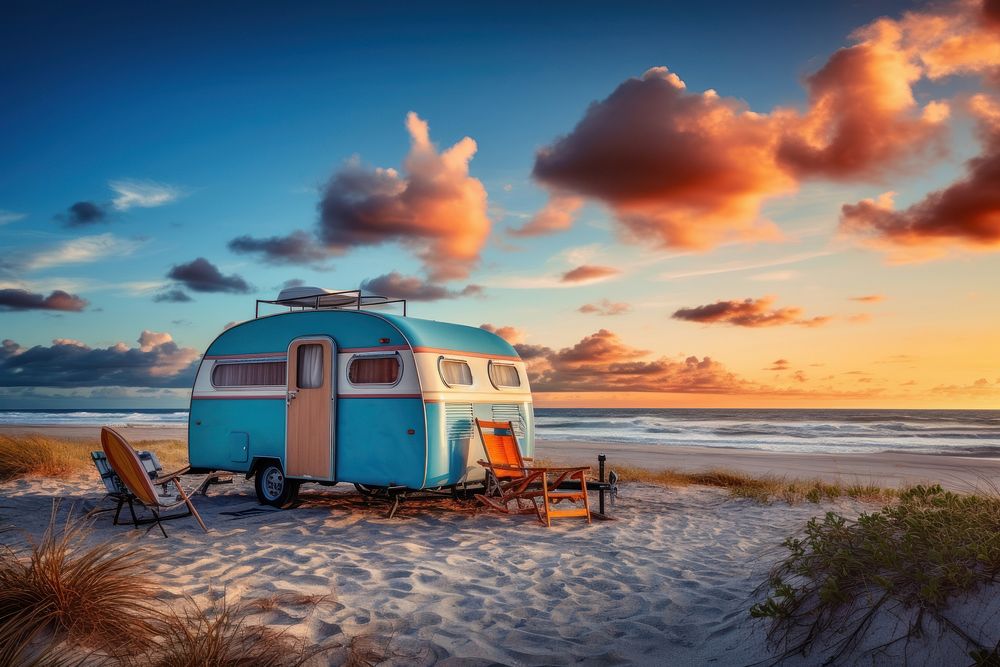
(957, 432)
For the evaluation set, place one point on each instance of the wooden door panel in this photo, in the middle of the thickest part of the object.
(309, 435)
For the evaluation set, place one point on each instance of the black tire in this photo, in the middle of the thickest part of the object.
(272, 487)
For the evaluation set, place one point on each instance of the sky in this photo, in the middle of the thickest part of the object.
(658, 204)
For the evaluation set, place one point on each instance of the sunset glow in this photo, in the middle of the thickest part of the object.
(667, 218)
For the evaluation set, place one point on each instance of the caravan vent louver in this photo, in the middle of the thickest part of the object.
(510, 412)
(459, 420)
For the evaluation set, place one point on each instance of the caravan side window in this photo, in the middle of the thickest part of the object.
(374, 369)
(504, 375)
(248, 373)
(455, 372)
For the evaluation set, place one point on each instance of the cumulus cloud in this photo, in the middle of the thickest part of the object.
(433, 206)
(605, 307)
(512, 335)
(681, 169)
(862, 118)
(964, 215)
(588, 273)
(397, 286)
(200, 275)
(602, 362)
(956, 38)
(20, 299)
(131, 193)
(692, 169)
(172, 296)
(748, 313)
(556, 215)
(299, 247)
(157, 362)
(82, 214)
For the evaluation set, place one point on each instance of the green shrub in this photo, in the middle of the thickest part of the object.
(914, 557)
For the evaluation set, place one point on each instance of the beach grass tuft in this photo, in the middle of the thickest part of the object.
(911, 558)
(33, 455)
(761, 488)
(62, 588)
(219, 635)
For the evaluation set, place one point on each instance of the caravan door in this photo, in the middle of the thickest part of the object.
(311, 401)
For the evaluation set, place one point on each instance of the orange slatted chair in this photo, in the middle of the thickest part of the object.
(515, 488)
(125, 462)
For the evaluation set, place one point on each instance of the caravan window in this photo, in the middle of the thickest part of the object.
(310, 366)
(455, 372)
(248, 373)
(380, 369)
(504, 375)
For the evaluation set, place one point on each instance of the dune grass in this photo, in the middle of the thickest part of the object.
(762, 488)
(219, 635)
(59, 586)
(911, 559)
(40, 456)
(66, 600)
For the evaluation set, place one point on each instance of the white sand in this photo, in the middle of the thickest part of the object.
(669, 582)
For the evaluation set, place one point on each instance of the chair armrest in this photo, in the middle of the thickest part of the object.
(163, 479)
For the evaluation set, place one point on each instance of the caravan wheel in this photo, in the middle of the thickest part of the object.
(273, 488)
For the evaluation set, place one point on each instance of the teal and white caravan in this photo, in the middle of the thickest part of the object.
(336, 389)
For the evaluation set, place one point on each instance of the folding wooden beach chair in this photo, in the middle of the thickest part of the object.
(124, 461)
(515, 488)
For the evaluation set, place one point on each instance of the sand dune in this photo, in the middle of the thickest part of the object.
(670, 581)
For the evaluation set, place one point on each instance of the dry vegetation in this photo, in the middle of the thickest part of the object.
(36, 455)
(760, 488)
(65, 600)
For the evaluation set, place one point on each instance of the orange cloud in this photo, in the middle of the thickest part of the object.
(752, 313)
(960, 38)
(868, 298)
(555, 216)
(602, 362)
(434, 206)
(678, 168)
(512, 335)
(692, 170)
(862, 117)
(966, 214)
(588, 273)
(605, 307)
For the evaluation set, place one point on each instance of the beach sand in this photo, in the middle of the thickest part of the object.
(669, 581)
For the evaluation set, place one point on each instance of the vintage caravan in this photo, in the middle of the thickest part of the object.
(337, 389)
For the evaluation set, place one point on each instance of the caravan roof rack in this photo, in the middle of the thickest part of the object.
(318, 298)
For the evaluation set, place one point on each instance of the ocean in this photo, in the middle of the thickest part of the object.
(958, 432)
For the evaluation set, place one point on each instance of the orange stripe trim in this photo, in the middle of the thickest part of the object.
(380, 348)
(462, 353)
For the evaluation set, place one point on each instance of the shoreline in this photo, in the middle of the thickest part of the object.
(955, 472)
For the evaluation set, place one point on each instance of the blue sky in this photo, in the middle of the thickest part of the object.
(244, 112)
